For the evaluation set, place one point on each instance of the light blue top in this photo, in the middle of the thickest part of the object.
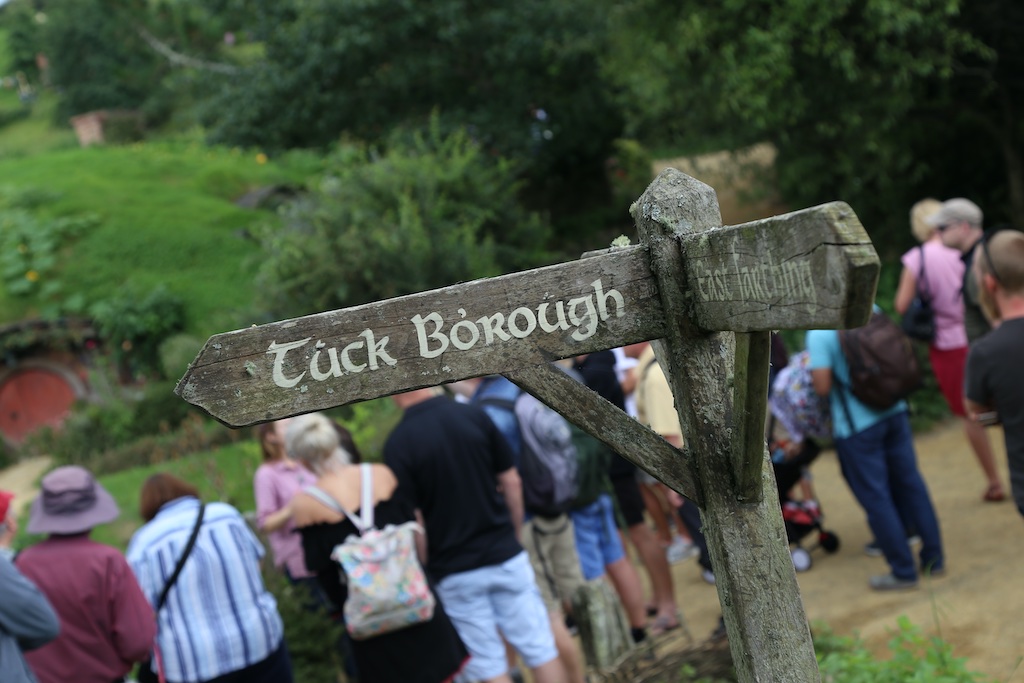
(825, 352)
(504, 419)
(218, 617)
(27, 621)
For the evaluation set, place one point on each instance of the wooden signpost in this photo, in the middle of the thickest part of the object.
(709, 294)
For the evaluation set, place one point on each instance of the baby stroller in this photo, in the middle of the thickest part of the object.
(802, 517)
(798, 415)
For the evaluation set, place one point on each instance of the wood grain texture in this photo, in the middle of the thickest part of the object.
(237, 376)
(606, 422)
(802, 270)
(756, 583)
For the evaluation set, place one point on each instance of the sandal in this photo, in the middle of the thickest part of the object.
(994, 494)
(662, 625)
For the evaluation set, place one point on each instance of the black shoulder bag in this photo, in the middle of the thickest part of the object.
(919, 320)
(146, 673)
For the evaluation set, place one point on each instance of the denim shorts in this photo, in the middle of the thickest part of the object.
(597, 536)
(501, 600)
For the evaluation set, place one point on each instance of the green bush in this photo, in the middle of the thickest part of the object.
(176, 353)
(135, 326)
(31, 242)
(12, 115)
(7, 455)
(628, 170)
(431, 210)
(915, 657)
(120, 127)
(311, 635)
(112, 444)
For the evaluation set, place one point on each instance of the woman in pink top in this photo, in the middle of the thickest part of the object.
(276, 482)
(937, 272)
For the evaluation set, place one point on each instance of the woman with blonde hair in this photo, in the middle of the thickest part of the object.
(428, 652)
(934, 273)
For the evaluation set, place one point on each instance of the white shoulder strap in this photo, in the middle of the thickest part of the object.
(366, 503)
(328, 500)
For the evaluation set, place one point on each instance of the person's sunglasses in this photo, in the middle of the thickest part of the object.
(985, 238)
(943, 228)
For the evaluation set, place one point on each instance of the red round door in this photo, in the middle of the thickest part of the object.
(33, 398)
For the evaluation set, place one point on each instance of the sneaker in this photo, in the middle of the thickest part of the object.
(872, 549)
(708, 576)
(680, 549)
(888, 582)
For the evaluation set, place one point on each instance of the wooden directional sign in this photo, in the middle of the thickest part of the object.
(801, 270)
(707, 294)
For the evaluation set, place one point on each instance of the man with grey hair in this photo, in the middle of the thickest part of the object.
(958, 222)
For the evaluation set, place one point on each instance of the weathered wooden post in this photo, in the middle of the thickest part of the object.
(710, 294)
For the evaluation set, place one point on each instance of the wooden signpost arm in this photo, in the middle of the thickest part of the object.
(595, 415)
(768, 632)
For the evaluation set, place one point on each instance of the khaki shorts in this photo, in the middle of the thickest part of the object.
(551, 545)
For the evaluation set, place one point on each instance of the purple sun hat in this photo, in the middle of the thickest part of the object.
(70, 501)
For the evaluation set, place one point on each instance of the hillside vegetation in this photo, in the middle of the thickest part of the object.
(164, 215)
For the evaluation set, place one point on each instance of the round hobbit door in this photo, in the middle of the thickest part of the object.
(31, 398)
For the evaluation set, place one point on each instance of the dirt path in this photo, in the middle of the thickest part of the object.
(976, 607)
(21, 480)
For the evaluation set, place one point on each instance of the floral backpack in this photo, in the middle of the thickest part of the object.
(387, 589)
(793, 402)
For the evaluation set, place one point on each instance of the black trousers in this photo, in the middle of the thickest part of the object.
(277, 668)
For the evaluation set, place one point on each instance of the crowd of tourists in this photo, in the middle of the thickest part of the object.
(488, 549)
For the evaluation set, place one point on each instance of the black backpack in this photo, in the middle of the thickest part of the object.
(883, 366)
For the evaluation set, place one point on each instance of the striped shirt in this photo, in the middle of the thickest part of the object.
(218, 617)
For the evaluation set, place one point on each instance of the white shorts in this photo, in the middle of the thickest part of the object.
(503, 597)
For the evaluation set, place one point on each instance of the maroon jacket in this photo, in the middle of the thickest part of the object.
(106, 624)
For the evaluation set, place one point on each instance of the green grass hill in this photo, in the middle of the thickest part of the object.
(165, 216)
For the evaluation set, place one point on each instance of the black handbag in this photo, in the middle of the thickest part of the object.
(146, 674)
(919, 319)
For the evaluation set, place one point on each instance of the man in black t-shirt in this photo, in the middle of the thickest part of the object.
(995, 363)
(455, 468)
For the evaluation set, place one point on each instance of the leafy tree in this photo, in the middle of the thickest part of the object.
(877, 102)
(521, 77)
(97, 57)
(23, 39)
(431, 210)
